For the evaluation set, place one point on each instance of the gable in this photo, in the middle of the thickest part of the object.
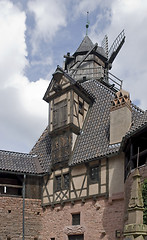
(58, 84)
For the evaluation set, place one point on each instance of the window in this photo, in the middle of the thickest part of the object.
(76, 219)
(52, 238)
(60, 114)
(10, 184)
(58, 183)
(94, 173)
(76, 237)
(81, 107)
(66, 181)
(62, 182)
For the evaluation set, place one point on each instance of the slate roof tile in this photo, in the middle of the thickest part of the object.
(42, 149)
(19, 162)
(86, 45)
(92, 143)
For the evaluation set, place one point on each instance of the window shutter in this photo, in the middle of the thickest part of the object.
(60, 114)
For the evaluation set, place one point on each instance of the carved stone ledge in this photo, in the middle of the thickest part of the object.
(71, 230)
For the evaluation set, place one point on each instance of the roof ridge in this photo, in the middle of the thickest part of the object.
(137, 108)
(39, 139)
(13, 152)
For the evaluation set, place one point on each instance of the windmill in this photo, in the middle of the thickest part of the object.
(114, 49)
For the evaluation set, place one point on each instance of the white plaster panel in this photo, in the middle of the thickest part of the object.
(93, 189)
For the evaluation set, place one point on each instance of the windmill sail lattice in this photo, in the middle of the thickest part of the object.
(116, 46)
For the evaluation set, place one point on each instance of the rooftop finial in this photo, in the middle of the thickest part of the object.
(87, 24)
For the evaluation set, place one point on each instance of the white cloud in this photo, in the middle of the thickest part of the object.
(130, 64)
(81, 7)
(23, 114)
(50, 16)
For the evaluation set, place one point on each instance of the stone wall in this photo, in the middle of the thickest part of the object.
(11, 215)
(98, 220)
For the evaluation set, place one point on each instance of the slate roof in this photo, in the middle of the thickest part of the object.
(19, 162)
(86, 45)
(42, 149)
(93, 142)
(137, 125)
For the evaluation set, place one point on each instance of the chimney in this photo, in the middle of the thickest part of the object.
(120, 116)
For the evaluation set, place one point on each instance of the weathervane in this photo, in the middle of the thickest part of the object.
(87, 24)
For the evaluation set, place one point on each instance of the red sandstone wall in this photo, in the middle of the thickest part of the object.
(11, 218)
(99, 220)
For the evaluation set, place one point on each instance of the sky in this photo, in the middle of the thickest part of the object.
(35, 35)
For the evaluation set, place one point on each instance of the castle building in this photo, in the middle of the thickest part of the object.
(75, 184)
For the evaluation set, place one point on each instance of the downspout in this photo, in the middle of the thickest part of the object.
(23, 195)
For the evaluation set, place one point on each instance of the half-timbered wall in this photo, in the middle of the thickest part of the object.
(60, 111)
(79, 182)
(80, 109)
(69, 108)
(61, 147)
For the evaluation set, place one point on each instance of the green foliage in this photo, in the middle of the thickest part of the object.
(144, 195)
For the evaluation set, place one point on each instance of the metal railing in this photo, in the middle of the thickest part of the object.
(98, 73)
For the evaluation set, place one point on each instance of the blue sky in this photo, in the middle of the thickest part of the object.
(34, 37)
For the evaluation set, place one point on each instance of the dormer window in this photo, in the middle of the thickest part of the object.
(59, 114)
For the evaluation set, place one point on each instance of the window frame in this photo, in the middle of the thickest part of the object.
(81, 107)
(63, 185)
(76, 217)
(59, 114)
(94, 179)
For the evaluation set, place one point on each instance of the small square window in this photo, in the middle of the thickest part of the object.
(76, 219)
(94, 173)
(52, 238)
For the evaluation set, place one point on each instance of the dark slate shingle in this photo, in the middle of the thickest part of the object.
(93, 142)
(19, 162)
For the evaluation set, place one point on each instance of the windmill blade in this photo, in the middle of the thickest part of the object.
(104, 45)
(116, 46)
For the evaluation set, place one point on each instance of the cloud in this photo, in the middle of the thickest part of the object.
(81, 7)
(23, 114)
(49, 17)
(130, 64)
